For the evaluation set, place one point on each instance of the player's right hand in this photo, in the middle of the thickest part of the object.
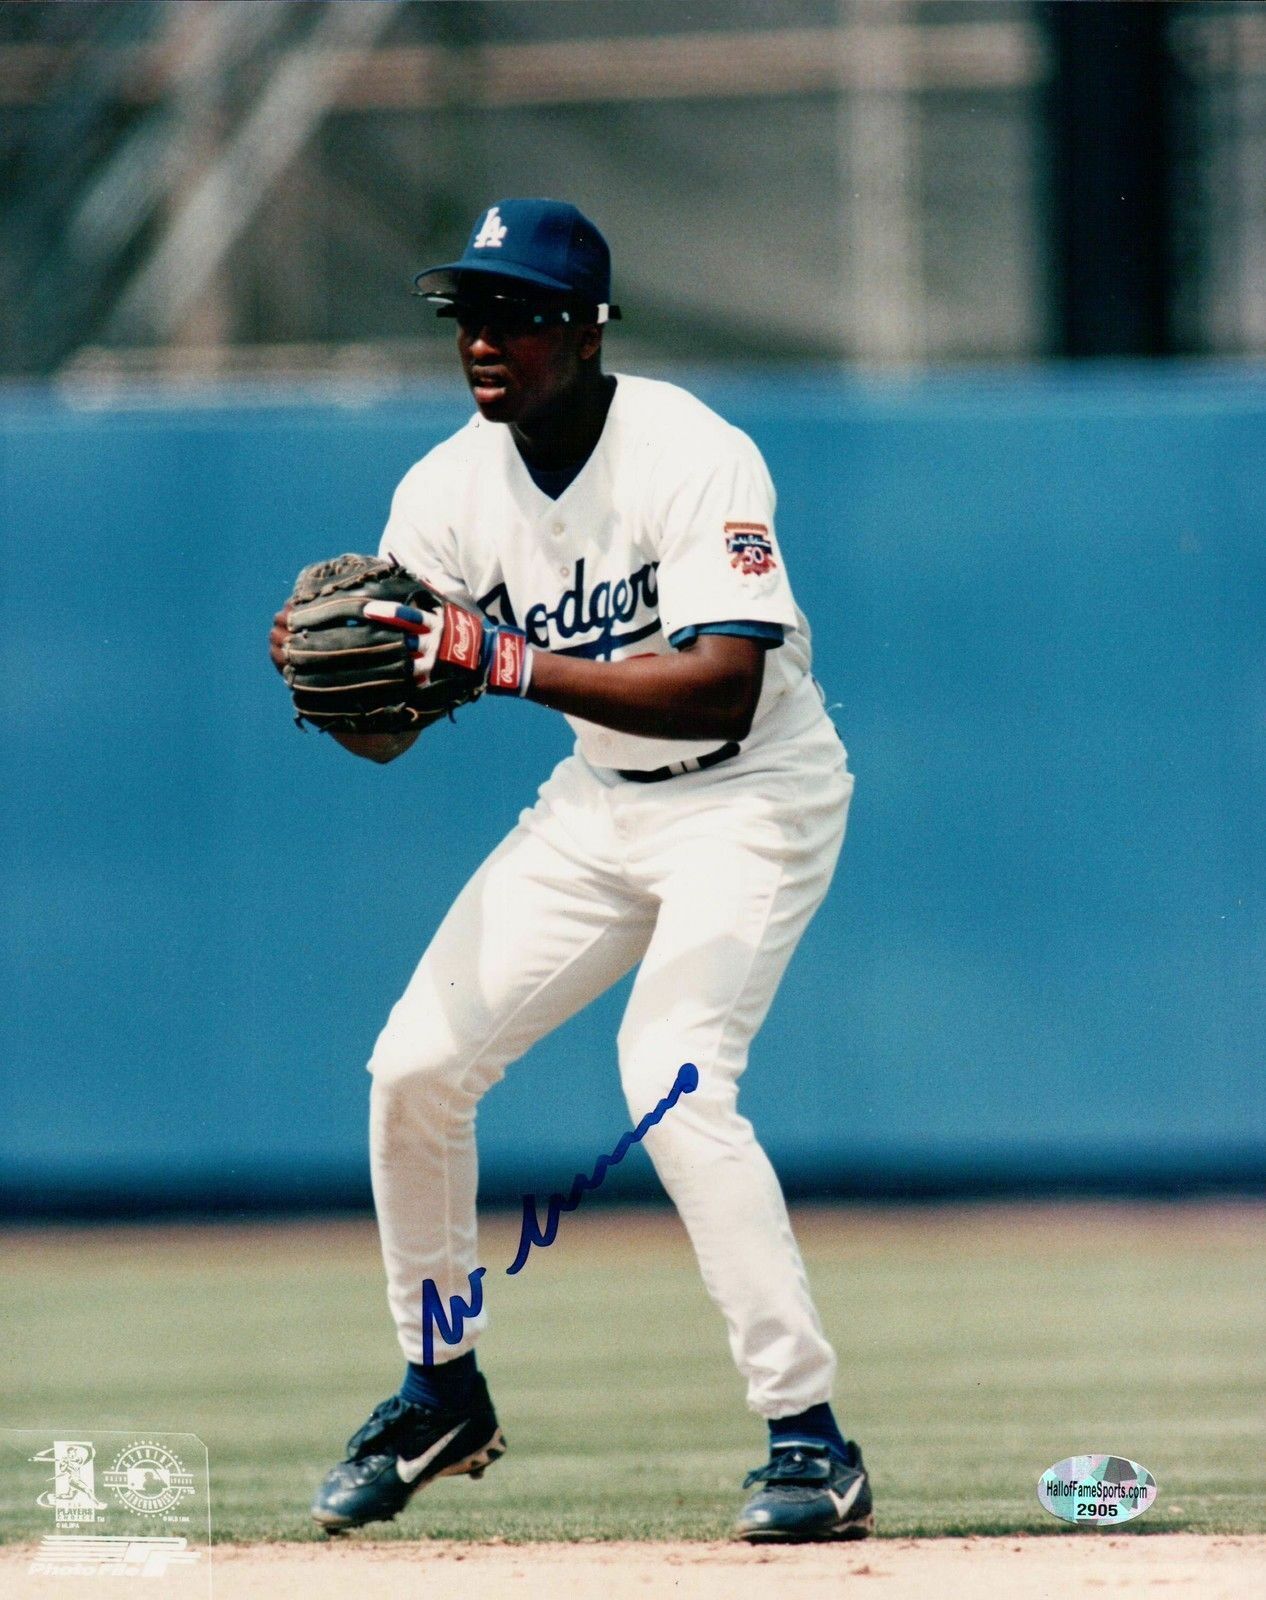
(496, 656)
(422, 631)
(278, 636)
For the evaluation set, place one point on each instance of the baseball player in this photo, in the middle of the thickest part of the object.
(615, 539)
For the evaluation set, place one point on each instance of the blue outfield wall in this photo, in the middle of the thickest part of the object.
(1037, 605)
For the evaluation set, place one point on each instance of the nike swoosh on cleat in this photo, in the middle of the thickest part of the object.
(844, 1502)
(409, 1470)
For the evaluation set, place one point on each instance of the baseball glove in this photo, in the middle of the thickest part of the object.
(372, 649)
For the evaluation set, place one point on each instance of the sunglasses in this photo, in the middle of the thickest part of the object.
(506, 316)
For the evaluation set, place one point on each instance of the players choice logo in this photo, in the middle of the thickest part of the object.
(149, 1479)
(73, 1496)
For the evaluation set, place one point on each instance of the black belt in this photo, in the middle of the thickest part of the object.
(714, 758)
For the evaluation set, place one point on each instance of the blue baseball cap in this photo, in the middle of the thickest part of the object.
(541, 244)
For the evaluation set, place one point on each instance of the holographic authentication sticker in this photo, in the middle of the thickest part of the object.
(1096, 1491)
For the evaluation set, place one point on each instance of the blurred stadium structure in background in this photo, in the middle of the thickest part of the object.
(231, 187)
(871, 234)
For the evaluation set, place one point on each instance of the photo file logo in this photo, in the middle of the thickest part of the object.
(69, 1555)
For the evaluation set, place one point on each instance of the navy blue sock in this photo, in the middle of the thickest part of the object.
(816, 1425)
(448, 1384)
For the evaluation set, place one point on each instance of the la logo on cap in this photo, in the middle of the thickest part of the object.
(491, 233)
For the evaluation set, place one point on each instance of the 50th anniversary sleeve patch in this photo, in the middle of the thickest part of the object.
(751, 550)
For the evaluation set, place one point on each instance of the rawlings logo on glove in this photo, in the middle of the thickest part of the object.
(369, 648)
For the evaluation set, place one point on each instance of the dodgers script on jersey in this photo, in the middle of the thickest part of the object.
(669, 526)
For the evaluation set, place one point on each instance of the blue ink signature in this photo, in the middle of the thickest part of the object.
(452, 1325)
(532, 1233)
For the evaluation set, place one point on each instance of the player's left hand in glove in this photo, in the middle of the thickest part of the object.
(366, 647)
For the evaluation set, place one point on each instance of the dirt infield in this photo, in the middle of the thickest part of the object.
(1077, 1563)
(952, 1569)
(1012, 1569)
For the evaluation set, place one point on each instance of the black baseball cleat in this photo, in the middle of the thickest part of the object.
(805, 1492)
(399, 1451)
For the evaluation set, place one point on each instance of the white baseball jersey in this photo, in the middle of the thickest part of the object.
(704, 882)
(668, 526)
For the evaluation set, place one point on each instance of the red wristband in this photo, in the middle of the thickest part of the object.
(462, 638)
(510, 667)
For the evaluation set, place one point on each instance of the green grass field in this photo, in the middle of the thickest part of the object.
(977, 1347)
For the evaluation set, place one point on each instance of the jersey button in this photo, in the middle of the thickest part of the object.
(558, 528)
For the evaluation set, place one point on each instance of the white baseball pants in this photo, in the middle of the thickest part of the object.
(709, 880)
